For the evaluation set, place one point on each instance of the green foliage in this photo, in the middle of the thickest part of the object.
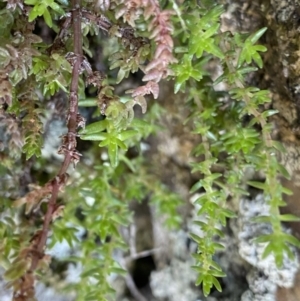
(199, 37)
(249, 51)
(41, 8)
(202, 43)
(110, 139)
(51, 73)
(97, 200)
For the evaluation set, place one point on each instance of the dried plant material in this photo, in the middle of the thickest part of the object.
(150, 87)
(160, 31)
(71, 57)
(105, 97)
(12, 4)
(154, 75)
(103, 4)
(32, 39)
(20, 265)
(69, 144)
(95, 79)
(4, 58)
(13, 138)
(44, 262)
(142, 102)
(80, 121)
(16, 57)
(5, 90)
(130, 11)
(58, 212)
(32, 198)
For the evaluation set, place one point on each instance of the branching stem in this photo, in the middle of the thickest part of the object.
(70, 143)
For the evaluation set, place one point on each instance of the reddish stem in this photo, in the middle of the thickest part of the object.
(70, 147)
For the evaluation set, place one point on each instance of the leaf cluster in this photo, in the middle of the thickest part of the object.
(232, 123)
(227, 142)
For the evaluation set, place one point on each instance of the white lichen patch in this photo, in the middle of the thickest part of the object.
(266, 276)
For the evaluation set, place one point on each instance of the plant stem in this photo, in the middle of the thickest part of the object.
(70, 143)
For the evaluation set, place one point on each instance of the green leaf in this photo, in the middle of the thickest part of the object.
(17, 269)
(250, 51)
(30, 148)
(216, 283)
(211, 15)
(254, 37)
(257, 59)
(196, 238)
(31, 2)
(286, 191)
(265, 238)
(256, 184)
(269, 113)
(179, 86)
(262, 219)
(140, 123)
(120, 143)
(128, 162)
(106, 141)
(181, 49)
(207, 285)
(216, 273)
(98, 126)
(196, 186)
(60, 85)
(121, 74)
(113, 154)
(289, 218)
(228, 213)
(278, 145)
(48, 19)
(32, 15)
(94, 137)
(269, 249)
(127, 134)
(118, 271)
(199, 280)
(89, 102)
(291, 239)
(89, 272)
(57, 8)
(283, 171)
(247, 69)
